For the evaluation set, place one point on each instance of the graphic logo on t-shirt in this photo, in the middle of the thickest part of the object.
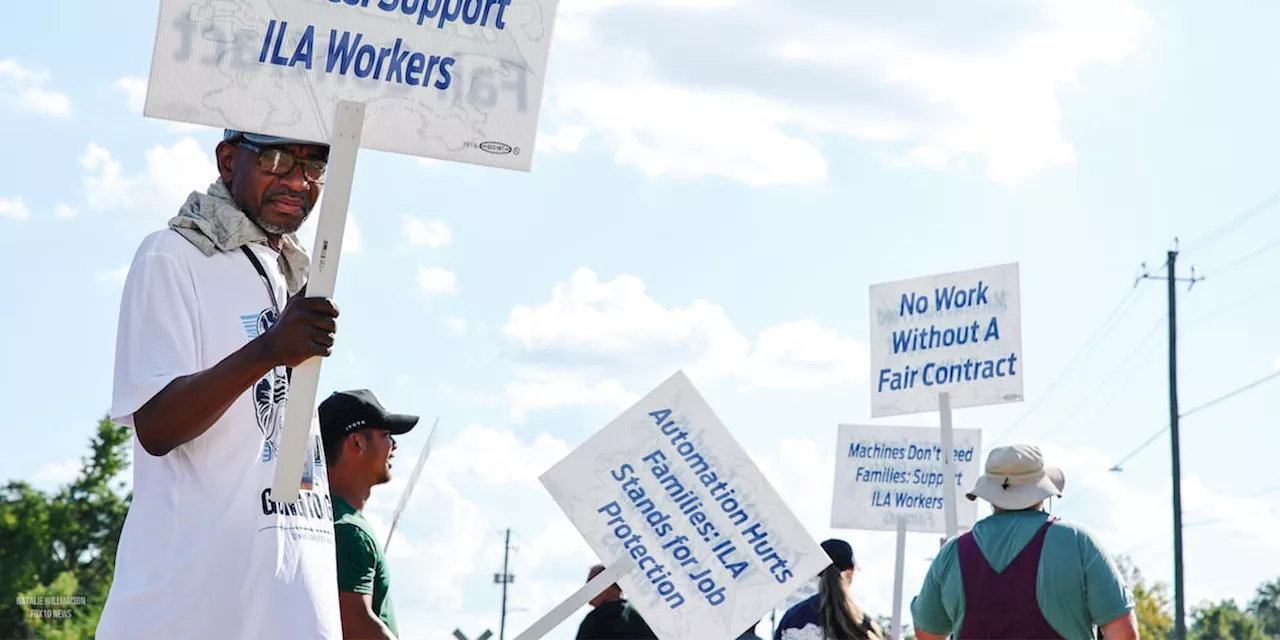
(257, 324)
(270, 395)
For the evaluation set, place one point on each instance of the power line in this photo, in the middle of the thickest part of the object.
(1200, 523)
(1222, 398)
(1244, 259)
(1253, 296)
(1231, 224)
(1106, 380)
(1103, 330)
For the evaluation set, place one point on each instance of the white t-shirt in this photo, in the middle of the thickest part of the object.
(205, 553)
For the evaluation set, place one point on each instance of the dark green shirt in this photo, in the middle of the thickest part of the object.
(361, 566)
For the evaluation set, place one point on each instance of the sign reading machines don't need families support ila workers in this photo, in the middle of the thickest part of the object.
(456, 80)
(959, 333)
(884, 473)
(714, 545)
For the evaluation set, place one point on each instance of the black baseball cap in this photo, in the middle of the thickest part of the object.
(840, 552)
(346, 412)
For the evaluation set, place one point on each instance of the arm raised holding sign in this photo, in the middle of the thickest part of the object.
(189, 405)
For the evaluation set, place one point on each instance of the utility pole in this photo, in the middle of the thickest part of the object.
(1179, 596)
(505, 578)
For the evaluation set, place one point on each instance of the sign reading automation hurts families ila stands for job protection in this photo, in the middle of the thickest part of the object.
(715, 546)
(885, 472)
(956, 332)
(457, 80)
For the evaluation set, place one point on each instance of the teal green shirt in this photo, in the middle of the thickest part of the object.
(1079, 585)
(361, 566)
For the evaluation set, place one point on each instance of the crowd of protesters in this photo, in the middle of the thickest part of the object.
(214, 316)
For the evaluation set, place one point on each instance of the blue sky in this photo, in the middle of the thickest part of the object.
(721, 204)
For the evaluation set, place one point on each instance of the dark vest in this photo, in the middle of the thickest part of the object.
(1003, 606)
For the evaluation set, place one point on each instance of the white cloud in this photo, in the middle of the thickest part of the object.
(65, 211)
(352, 239)
(537, 389)
(426, 233)
(14, 209)
(662, 130)
(935, 86)
(112, 276)
(566, 139)
(448, 537)
(134, 89)
(505, 459)
(434, 280)
(24, 90)
(58, 473)
(457, 325)
(803, 355)
(604, 327)
(156, 192)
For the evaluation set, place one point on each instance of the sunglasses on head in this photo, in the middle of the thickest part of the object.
(280, 163)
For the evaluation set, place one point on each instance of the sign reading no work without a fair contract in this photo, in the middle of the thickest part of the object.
(959, 333)
(884, 473)
(457, 80)
(714, 545)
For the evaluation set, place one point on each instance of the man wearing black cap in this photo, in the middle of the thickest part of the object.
(211, 322)
(359, 445)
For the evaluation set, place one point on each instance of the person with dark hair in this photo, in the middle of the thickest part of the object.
(612, 617)
(359, 443)
(831, 614)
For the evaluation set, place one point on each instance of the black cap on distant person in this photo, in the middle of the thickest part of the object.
(840, 552)
(346, 412)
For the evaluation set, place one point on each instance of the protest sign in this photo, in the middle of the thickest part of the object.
(457, 80)
(807, 590)
(956, 333)
(884, 473)
(667, 485)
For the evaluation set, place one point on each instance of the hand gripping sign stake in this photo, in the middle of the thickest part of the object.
(348, 126)
(582, 596)
(413, 480)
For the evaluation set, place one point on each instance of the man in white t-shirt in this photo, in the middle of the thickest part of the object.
(203, 356)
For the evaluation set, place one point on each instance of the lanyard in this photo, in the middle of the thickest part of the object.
(261, 272)
(271, 291)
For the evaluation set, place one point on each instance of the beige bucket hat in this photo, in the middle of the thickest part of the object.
(1016, 478)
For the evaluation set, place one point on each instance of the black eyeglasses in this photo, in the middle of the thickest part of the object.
(280, 163)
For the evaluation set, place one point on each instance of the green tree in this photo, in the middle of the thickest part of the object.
(886, 623)
(1265, 607)
(1224, 621)
(57, 551)
(1155, 617)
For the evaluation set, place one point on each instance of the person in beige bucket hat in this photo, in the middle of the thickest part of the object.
(1021, 573)
(1017, 479)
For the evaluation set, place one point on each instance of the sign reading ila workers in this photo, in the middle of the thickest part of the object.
(715, 546)
(957, 332)
(457, 80)
(884, 473)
